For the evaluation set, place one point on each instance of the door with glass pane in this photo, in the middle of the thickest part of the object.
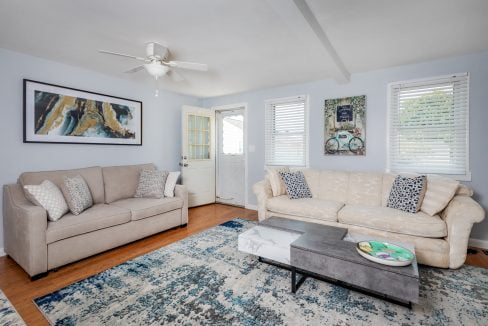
(230, 157)
(198, 155)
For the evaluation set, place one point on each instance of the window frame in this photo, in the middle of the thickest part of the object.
(267, 104)
(460, 177)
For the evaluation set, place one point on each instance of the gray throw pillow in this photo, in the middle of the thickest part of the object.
(151, 184)
(77, 194)
(296, 185)
(407, 193)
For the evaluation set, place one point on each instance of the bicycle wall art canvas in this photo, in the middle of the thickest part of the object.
(345, 126)
(57, 114)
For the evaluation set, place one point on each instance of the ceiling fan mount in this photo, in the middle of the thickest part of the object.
(157, 62)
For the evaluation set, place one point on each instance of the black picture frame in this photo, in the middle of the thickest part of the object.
(26, 135)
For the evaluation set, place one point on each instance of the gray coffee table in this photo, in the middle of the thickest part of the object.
(320, 251)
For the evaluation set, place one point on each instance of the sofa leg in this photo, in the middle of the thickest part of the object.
(39, 276)
(184, 225)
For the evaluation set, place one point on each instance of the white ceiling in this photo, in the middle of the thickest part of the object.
(246, 43)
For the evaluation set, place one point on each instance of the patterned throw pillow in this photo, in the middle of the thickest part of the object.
(151, 184)
(77, 194)
(296, 185)
(407, 193)
(48, 196)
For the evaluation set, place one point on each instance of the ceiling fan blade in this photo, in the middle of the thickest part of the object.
(175, 76)
(124, 55)
(136, 69)
(188, 65)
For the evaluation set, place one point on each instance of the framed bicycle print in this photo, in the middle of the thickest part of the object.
(64, 115)
(345, 126)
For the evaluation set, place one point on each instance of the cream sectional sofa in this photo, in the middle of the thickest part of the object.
(116, 218)
(357, 201)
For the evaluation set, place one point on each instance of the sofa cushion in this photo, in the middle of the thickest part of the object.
(364, 188)
(393, 220)
(146, 207)
(313, 180)
(97, 217)
(92, 176)
(305, 207)
(121, 181)
(333, 186)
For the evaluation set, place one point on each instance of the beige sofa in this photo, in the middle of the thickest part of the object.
(357, 201)
(116, 218)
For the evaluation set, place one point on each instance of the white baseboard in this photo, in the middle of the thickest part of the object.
(2, 253)
(253, 207)
(478, 243)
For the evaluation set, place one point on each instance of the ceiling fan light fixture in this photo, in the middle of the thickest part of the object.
(156, 69)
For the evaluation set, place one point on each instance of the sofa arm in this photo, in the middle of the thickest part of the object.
(182, 192)
(24, 229)
(460, 215)
(263, 192)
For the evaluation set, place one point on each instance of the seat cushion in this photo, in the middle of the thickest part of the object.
(121, 181)
(305, 207)
(146, 207)
(97, 217)
(393, 220)
(92, 176)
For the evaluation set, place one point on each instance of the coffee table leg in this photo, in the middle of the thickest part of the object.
(294, 284)
(293, 280)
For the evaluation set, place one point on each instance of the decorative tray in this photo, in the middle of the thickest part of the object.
(385, 253)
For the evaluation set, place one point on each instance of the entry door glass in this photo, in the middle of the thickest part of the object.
(198, 137)
(230, 158)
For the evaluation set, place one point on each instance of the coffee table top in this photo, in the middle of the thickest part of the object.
(328, 240)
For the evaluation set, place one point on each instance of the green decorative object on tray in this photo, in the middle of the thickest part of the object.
(385, 253)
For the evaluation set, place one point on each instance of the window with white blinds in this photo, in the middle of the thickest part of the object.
(286, 131)
(428, 126)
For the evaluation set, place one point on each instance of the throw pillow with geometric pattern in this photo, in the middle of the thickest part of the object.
(151, 184)
(77, 194)
(48, 196)
(296, 185)
(407, 193)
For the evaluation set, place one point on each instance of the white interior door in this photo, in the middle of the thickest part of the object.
(198, 155)
(230, 157)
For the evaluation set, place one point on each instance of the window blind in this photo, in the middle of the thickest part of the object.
(428, 126)
(286, 137)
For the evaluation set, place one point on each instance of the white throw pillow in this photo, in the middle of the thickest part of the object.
(278, 187)
(438, 195)
(169, 187)
(48, 196)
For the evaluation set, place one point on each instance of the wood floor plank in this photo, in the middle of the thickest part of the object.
(21, 290)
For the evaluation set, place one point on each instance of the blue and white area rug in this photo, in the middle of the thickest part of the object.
(203, 279)
(8, 314)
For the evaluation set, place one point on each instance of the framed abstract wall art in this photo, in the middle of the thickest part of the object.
(57, 114)
(345, 126)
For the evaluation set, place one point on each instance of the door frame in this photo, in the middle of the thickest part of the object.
(230, 107)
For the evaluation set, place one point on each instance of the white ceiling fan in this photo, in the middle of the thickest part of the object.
(157, 62)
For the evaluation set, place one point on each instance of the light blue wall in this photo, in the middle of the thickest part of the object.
(161, 121)
(374, 85)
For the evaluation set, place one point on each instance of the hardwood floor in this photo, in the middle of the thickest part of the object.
(20, 290)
